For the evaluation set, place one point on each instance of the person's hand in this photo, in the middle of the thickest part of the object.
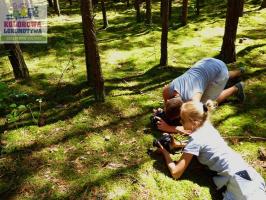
(163, 126)
(212, 105)
(157, 110)
(160, 149)
(181, 130)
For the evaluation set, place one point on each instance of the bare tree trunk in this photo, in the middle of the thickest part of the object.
(57, 7)
(148, 12)
(184, 12)
(198, 7)
(17, 61)
(137, 8)
(94, 3)
(241, 8)
(228, 54)
(263, 4)
(161, 8)
(50, 2)
(105, 21)
(93, 65)
(70, 2)
(165, 24)
(170, 9)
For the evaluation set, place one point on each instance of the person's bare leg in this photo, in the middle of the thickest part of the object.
(226, 93)
(235, 74)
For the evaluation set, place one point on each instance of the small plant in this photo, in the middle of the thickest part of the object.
(17, 111)
(40, 108)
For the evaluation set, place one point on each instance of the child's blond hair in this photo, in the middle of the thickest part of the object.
(196, 112)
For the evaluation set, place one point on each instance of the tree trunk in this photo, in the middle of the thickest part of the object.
(170, 9)
(197, 7)
(228, 54)
(263, 4)
(165, 24)
(17, 61)
(93, 65)
(184, 12)
(161, 9)
(105, 21)
(128, 4)
(50, 2)
(137, 8)
(241, 8)
(57, 7)
(70, 2)
(148, 12)
(94, 3)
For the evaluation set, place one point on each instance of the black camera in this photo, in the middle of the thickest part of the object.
(154, 118)
(165, 141)
(162, 115)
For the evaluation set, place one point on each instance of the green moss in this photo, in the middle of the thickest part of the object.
(87, 150)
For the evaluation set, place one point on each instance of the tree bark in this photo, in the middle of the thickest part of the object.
(148, 12)
(161, 8)
(137, 8)
(197, 7)
(105, 21)
(50, 2)
(228, 54)
(165, 24)
(241, 8)
(94, 3)
(128, 4)
(263, 4)
(184, 12)
(170, 9)
(93, 65)
(57, 7)
(17, 61)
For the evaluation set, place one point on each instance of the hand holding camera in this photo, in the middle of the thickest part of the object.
(165, 142)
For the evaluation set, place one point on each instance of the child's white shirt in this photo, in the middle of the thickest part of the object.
(210, 148)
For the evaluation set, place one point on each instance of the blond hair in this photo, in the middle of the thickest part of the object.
(196, 112)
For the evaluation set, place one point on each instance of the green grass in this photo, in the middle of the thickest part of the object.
(88, 150)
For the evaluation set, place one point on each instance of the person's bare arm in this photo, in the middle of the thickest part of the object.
(178, 144)
(163, 126)
(182, 131)
(197, 96)
(176, 169)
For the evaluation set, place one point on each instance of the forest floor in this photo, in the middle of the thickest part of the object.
(88, 150)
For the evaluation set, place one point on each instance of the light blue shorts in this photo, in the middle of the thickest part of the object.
(239, 188)
(215, 88)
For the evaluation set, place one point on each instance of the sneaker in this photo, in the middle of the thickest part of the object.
(240, 92)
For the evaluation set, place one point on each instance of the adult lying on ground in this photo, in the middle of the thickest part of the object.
(205, 82)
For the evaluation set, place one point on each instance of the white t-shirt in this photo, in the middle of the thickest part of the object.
(198, 77)
(211, 150)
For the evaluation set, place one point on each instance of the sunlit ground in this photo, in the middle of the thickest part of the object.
(88, 150)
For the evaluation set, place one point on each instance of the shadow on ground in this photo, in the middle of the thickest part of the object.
(196, 173)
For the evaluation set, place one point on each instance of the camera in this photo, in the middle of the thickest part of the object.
(162, 115)
(165, 141)
(154, 118)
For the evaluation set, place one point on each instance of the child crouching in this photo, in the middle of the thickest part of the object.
(241, 180)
